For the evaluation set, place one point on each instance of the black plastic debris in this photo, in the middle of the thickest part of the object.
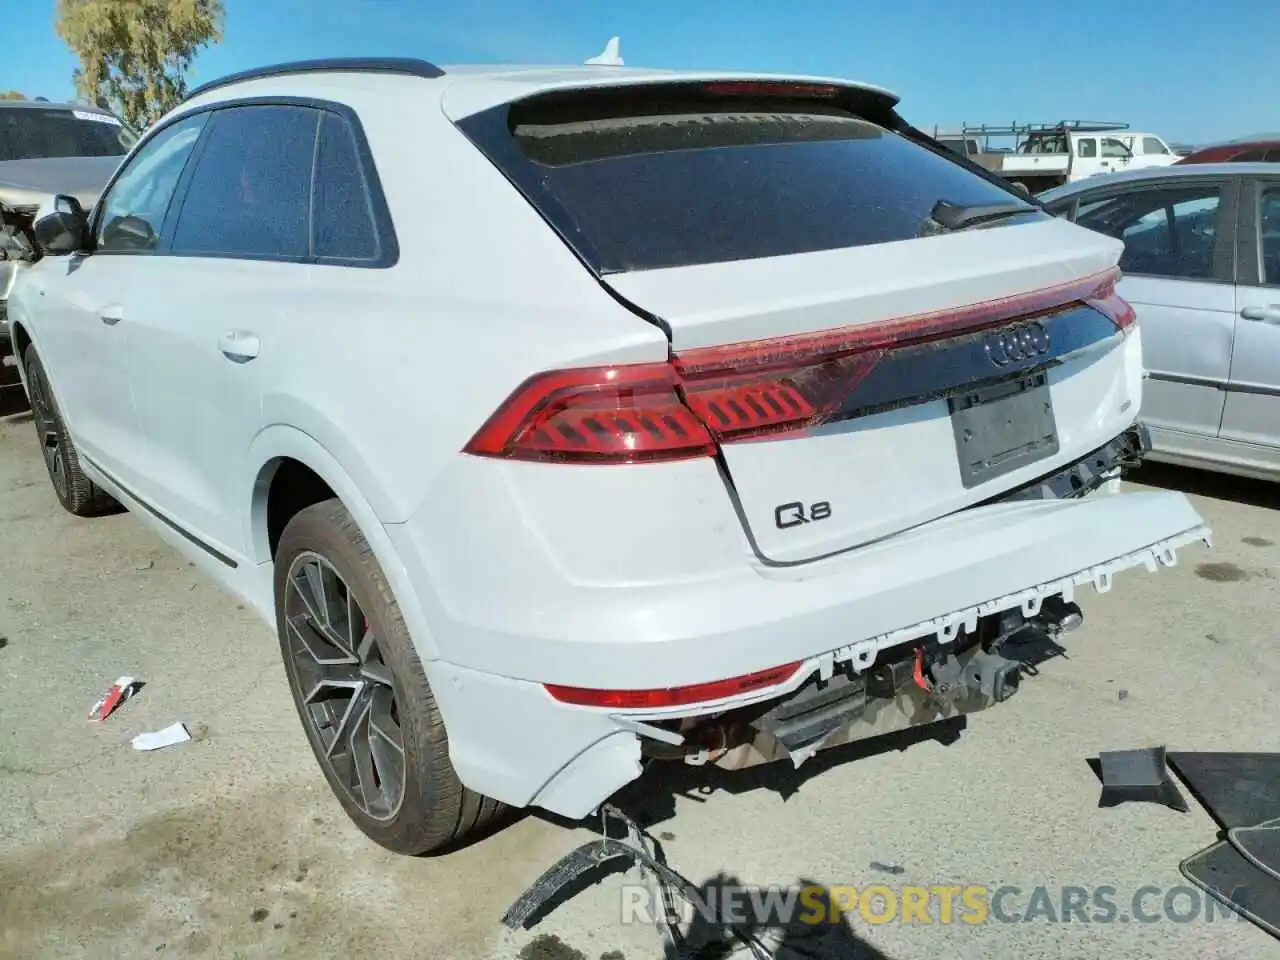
(1140, 776)
(1237, 789)
(1259, 845)
(1223, 872)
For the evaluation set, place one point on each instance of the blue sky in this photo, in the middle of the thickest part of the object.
(1193, 72)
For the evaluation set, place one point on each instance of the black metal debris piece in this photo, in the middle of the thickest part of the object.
(567, 873)
(1138, 776)
(564, 874)
(1259, 845)
(1237, 789)
(1223, 873)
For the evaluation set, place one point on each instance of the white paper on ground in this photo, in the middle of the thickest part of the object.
(177, 733)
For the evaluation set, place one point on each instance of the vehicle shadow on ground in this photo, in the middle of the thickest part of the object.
(1205, 483)
(815, 927)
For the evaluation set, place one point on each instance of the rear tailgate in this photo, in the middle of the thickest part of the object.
(895, 453)
(862, 368)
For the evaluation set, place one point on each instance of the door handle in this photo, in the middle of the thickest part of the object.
(1267, 314)
(239, 346)
(111, 315)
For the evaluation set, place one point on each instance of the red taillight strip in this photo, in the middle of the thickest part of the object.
(625, 414)
(675, 696)
(755, 355)
(645, 412)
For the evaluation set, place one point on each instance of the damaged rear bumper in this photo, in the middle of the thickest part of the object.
(932, 587)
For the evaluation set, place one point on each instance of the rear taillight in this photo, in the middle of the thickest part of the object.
(625, 414)
(674, 696)
(684, 408)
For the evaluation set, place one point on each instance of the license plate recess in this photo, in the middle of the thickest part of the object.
(1003, 427)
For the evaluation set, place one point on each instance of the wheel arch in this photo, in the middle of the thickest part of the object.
(285, 454)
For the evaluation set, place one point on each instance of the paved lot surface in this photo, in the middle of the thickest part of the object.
(232, 846)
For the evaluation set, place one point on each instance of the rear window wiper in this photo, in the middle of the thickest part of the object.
(952, 216)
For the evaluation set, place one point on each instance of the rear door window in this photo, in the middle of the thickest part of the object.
(1113, 149)
(1167, 232)
(250, 191)
(639, 183)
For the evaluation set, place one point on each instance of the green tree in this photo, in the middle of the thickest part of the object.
(135, 54)
(11, 95)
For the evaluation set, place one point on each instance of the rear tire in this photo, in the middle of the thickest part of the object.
(359, 686)
(75, 491)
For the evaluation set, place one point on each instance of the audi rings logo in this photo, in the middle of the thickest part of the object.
(1022, 341)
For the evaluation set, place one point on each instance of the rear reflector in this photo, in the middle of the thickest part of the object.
(674, 696)
(684, 408)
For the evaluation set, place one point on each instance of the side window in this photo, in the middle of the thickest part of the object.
(134, 209)
(1250, 156)
(1113, 149)
(343, 224)
(1269, 233)
(1087, 147)
(250, 191)
(1167, 232)
(1152, 145)
(1273, 156)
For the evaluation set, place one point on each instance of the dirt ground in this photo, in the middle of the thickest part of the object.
(231, 846)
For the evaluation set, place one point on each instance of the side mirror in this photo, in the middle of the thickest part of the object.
(64, 230)
(129, 233)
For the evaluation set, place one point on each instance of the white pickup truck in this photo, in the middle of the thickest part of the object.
(1049, 155)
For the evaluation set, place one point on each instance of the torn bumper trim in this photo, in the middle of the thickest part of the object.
(569, 759)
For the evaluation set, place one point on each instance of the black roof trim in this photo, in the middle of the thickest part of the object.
(408, 66)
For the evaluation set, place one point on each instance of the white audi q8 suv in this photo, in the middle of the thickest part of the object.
(562, 420)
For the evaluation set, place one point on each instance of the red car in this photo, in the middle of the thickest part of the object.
(1265, 150)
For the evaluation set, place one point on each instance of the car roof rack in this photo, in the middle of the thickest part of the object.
(406, 66)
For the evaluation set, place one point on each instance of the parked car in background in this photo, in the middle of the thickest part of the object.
(610, 439)
(1047, 155)
(46, 149)
(1202, 267)
(1147, 150)
(1251, 150)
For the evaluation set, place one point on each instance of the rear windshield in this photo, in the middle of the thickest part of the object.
(649, 184)
(33, 133)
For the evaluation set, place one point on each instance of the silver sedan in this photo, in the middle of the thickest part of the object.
(1202, 267)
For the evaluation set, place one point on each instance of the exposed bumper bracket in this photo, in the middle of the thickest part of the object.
(945, 629)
